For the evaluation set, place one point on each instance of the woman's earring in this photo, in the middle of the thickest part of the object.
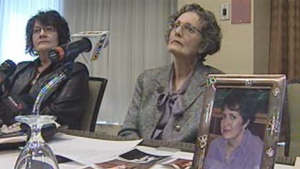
(246, 124)
(35, 52)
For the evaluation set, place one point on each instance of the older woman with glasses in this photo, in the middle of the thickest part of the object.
(167, 101)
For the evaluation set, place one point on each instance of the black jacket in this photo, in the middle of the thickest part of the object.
(67, 102)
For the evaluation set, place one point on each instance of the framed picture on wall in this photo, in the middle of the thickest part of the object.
(240, 122)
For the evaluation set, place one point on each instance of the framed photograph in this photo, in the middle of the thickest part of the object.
(240, 122)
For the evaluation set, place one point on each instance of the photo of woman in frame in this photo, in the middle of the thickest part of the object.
(237, 147)
(267, 93)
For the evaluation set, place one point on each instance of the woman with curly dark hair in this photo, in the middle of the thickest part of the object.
(167, 101)
(237, 147)
(44, 31)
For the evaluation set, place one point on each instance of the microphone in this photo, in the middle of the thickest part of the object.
(7, 68)
(70, 51)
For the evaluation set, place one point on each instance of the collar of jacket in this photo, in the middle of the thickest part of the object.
(195, 88)
(50, 68)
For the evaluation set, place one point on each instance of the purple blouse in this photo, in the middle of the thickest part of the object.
(170, 104)
(246, 156)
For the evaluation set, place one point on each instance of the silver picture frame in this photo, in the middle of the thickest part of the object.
(271, 86)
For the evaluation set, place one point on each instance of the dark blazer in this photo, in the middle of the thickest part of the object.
(143, 114)
(67, 102)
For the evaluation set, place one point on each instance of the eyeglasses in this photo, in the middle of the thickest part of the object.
(185, 26)
(47, 29)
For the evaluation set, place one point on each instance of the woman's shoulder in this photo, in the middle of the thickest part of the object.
(217, 142)
(213, 70)
(154, 72)
(78, 67)
(254, 142)
(157, 69)
(257, 140)
(24, 63)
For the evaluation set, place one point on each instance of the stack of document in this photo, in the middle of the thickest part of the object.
(100, 154)
(12, 135)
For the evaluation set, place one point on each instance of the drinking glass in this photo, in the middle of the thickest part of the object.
(36, 154)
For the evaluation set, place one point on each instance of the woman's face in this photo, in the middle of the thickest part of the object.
(185, 36)
(44, 37)
(232, 124)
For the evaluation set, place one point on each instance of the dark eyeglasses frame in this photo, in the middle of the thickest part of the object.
(186, 26)
(46, 29)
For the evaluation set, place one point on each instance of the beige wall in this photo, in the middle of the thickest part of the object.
(244, 47)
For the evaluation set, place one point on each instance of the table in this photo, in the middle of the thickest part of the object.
(281, 161)
(8, 157)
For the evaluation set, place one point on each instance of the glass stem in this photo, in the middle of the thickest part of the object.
(36, 134)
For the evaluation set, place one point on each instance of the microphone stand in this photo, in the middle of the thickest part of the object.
(51, 86)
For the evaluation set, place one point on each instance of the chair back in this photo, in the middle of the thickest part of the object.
(97, 88)
(294, 113)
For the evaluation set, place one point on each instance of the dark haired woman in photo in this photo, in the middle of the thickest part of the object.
(237, 147)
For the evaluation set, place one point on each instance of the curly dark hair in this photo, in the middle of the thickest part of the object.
(210, 30)
(47, 18)
(238, 100)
